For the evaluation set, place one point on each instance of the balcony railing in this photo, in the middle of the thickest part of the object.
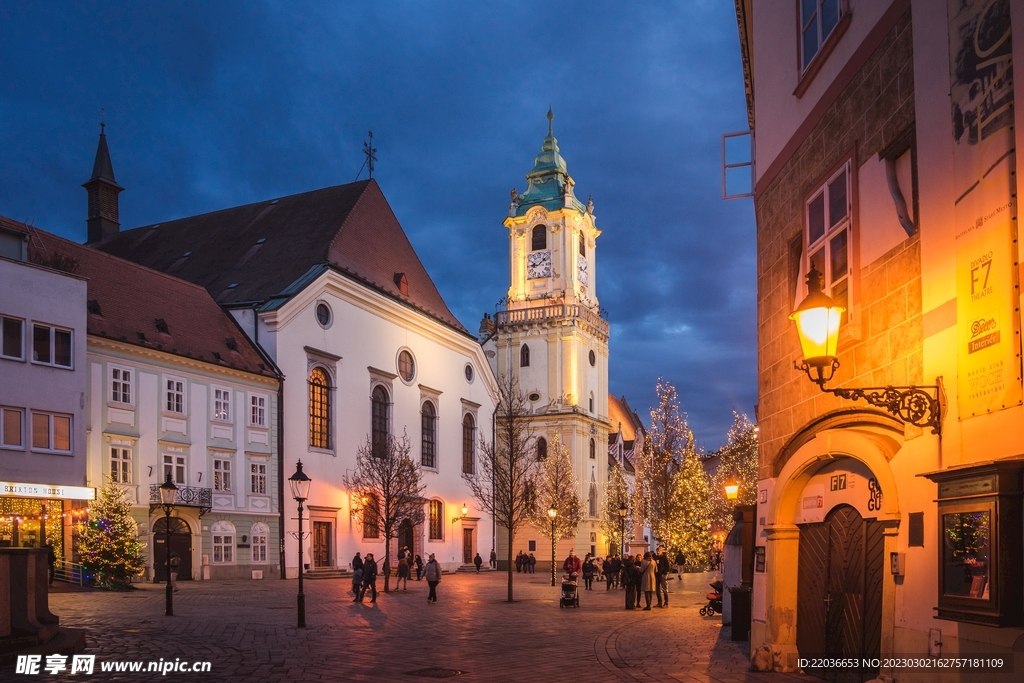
(187, 496)
(552, 312)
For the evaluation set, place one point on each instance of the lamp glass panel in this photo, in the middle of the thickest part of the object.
(819, 331)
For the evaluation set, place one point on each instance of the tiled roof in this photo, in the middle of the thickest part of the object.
(133, 304)
(253, 253)
(13, 225)
(619, 413)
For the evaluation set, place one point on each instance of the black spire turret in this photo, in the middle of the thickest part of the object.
(102, 189)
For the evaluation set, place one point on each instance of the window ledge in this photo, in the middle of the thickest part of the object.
(53, 365)
(262, 428)
(120, 406)
(325, 451)
(9, 447)
(826, 49)
(15, 359)
(433, 470)
(44, 451)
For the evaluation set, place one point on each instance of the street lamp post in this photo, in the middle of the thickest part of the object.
(299, 484)
(168, 492)
(552, 513)
(622, 529)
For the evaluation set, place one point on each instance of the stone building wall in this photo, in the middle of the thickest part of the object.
(882, 345)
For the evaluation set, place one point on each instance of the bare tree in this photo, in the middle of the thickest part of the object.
(387, 487)
(557, 488)
(508, 466)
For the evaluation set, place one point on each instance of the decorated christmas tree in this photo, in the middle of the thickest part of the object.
(108, 542)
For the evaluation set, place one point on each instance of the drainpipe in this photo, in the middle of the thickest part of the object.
(281, 472)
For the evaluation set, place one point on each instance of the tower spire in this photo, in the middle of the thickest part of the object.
(103, 215)
(551, 117)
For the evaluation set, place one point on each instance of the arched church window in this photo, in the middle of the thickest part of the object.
(539, 238)
(583, 244)
(379, 421)
(468, 451)
(428, 418)
(593, 449)
(524, 356)
(319, 409)
(542, 448)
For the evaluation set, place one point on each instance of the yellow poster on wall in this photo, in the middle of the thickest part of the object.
(988, 320)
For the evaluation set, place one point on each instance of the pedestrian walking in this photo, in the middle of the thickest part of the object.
(648, 578)
(403, 573)
(357, 582)
(616, 571)
(494, 559)
(662, 576)
(479, 562)
(357, 562)
(519, 562)
(572, 565)
(51, 558)
(680, 563)
(532, 563)
(419, 567)
(175, 563)
(433, 574)
(589, 569)
(369, 579)
(606, 569)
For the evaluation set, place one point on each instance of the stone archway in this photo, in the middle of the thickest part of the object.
(872, 447)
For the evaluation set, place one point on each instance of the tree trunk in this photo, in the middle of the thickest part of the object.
(387, 563)
(510, 545)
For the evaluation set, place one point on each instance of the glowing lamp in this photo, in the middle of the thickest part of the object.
(465, 510)
(299, 483)
(552, 513)
(732, 489)
(817, 322)
(168, 491)
(622, 510)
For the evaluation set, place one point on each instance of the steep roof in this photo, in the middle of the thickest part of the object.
(254, 253)
(619, 413)
(102, 169)
(133, 304)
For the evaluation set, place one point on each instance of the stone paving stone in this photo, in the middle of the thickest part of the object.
(246, 629)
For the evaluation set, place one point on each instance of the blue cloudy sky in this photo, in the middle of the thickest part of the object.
(215, 104)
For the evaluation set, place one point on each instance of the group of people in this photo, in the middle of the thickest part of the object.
(365, 570)
(525, 564)
(642, 576)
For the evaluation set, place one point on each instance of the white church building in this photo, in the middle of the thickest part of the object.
(328, 285)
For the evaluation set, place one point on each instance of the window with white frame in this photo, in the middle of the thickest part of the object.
(258, 536)
(120, 465)
(175, 389)
(223, 542)
(436, 517)
(257, 410)
(51, 432)
(12, 428)
(818, 19)
(221, 474)
(174, 465)
(222, 404)
(120, 385)
(827, 239)
(257, 478)
(51, 345)
(13, 338)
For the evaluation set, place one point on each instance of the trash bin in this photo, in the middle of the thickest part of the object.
(740, 612)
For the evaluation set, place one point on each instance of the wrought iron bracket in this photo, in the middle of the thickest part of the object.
(921, 406)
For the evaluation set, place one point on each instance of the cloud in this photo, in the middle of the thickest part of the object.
(214, 105)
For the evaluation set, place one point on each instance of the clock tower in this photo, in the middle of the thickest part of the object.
(551, 335)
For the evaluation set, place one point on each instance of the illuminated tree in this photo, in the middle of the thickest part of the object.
(616, 494)
(108, 541)
(690, 531)
(738, 461)
(555, 486)
(505, 480)
(387, 488)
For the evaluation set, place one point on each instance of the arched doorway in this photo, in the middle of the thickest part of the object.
(839, 589)
(181, 543)
(405, 535)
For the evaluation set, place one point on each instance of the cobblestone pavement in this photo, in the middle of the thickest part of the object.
(247, 630)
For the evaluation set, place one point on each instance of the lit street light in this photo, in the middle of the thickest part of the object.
(552, 513)
(168, 492)
(299, 484)
(622, 528)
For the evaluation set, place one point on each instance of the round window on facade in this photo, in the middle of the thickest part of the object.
(324, 315)
(593, 359)
(469, 372)
(534, 397)
(406, 366)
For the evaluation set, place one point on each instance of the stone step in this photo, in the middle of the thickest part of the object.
(467, 568)
(317, 574)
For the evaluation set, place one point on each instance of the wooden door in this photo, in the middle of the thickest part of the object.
(839, 587)
(322, 556)
(181, 543)
(467, 546)
(405, 535)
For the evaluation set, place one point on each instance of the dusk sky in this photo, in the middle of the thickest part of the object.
(211, 105)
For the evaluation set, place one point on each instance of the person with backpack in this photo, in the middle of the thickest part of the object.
(432, 572)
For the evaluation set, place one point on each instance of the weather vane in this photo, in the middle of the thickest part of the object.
(371, 153)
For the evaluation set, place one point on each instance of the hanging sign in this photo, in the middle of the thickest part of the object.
(981, 90)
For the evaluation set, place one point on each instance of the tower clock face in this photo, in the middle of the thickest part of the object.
(581, 269)
(538, 265)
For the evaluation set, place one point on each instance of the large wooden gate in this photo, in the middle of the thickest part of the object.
(839, 587)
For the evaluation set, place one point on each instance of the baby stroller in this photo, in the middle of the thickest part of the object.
(570, 597)
(714, 600)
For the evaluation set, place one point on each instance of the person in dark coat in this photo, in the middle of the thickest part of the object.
(661, 574)
(617, 571)
(403, 573)
(479, 562)
(680, 563)
(369, 579)
(532, 563)
(519, 562)
(630, 577)
(433, 574)
(51, 558)
(494, 559)
(589, 569)
(357, 562)
(606, 569)
(419, 568)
